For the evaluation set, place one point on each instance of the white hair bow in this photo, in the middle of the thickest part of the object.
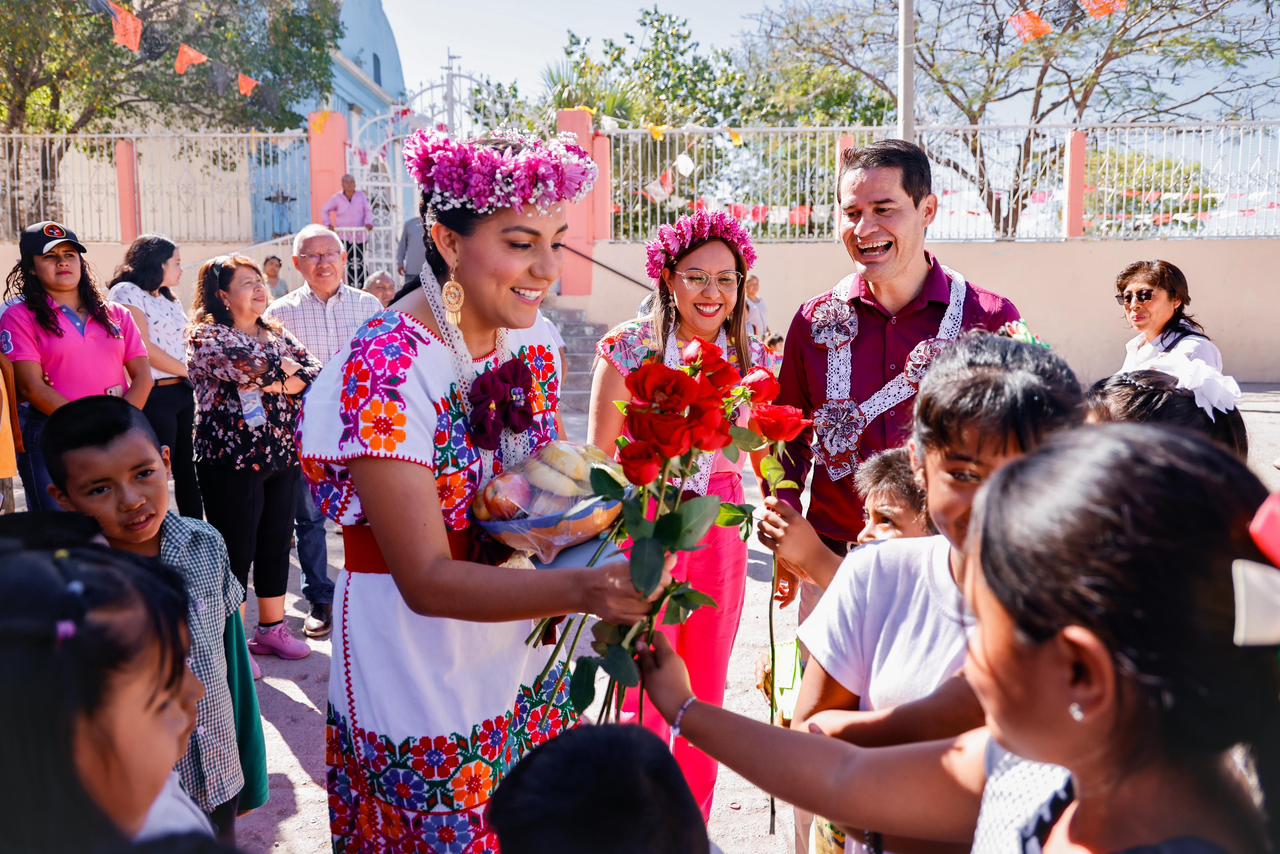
(1212, 389)
(1257, 585)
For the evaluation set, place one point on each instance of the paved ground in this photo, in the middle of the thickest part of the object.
(292, 695)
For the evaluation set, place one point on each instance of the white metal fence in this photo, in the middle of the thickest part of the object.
(207, 187)
(1219, 180)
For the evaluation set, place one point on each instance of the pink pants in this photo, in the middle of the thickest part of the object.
(706, 640)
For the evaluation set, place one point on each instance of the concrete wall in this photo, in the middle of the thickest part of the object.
(1064, 291)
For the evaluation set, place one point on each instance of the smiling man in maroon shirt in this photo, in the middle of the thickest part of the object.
(855, 355)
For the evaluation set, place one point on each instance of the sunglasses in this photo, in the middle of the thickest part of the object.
(1142, 295)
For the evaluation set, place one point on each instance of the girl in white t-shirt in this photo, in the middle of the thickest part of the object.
(890, 626)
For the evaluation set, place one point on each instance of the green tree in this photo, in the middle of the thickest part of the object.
(60, 71)
(1130, 192)
(1153, 59)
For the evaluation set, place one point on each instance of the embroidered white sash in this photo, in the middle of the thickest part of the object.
(839, 423)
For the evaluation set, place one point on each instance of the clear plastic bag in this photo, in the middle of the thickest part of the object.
(546, 504)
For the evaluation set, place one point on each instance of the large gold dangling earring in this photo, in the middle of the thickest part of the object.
(453, 296)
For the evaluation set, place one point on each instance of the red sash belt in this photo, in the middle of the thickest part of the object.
(363, 554)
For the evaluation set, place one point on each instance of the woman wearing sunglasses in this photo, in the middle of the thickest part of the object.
(1154, 296)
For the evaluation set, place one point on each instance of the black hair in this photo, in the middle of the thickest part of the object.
(22, 284)
(774, 340)
(89, 422)
(46, 529)
(917, 177)
(597, 788)
(1130, 531)
(890, 471)
(1154, 397)
(999, 388)
(56, 678)
(143, 265)
(182, 843)
(1168, 278)
(270, 258)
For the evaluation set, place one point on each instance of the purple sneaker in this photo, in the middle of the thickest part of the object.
(278, 642)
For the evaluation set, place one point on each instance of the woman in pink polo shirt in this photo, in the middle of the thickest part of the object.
(66, 341)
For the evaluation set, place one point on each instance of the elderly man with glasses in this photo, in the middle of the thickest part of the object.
(324, 315)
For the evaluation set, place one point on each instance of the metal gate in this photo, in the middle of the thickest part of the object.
(374, 159)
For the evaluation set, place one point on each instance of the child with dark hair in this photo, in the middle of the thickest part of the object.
(893, 501)
(889, 627)
(598, 788)
(1136, 646)
(99, 701)
(106, 463)
(65, 340)
(1153, 396)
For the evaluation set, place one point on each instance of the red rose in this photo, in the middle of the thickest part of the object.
(668, 432)
(705, 352)
(640, 463)
(723, 376)
(663, 387)
(780, 423)
(708, 427)
(763, 386)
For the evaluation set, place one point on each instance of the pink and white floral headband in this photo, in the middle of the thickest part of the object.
(688, 231)
(485, 178)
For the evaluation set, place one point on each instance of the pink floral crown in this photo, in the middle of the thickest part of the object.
(485, 178)
(694, 229)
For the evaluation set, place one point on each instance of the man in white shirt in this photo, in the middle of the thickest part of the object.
(324, 315)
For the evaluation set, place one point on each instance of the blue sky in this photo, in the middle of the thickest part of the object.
(509, 40)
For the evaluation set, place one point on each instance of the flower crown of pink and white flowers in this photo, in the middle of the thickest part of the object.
(486, 178)
(694, 229)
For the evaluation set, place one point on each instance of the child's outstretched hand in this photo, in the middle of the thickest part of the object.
(788, 535)
(666, 678)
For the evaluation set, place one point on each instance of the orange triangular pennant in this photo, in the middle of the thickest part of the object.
(127, 28)
(247, 85)
(1029, 26)
(1103, 8)
(187, 57)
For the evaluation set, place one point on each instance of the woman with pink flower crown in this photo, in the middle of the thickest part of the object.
(433, 694)
(698, 265)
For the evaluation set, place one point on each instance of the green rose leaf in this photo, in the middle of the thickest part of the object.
(582, 685)
(683, 529)
(633, 517)
(619, 664)
(605, 483)
(647, 559)
(731, 453)
(772, 471)
(746, 440)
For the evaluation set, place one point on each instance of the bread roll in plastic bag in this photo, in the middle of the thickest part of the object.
(546, 504)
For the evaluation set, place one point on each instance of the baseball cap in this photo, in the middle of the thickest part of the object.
(43, 236)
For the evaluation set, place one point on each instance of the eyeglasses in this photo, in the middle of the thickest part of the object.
(322, 257)
(695, 280)
(1142, 295)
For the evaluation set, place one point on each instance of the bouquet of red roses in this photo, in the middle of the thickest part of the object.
(675, 418)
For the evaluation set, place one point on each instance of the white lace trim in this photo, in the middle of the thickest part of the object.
(701, 481)
(839, 423)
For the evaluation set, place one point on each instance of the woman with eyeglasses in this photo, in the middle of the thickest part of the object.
(249, 375)
(698, 266)
(1155, 296)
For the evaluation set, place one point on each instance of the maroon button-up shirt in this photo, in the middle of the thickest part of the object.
(878, 353)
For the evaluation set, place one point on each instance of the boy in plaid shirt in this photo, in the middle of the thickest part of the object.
(106, 462)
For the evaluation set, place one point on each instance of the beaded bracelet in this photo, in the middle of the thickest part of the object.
(684, 707)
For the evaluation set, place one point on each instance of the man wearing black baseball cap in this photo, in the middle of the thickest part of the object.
(41, 238)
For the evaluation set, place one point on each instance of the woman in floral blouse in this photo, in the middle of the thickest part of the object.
(249, 376)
